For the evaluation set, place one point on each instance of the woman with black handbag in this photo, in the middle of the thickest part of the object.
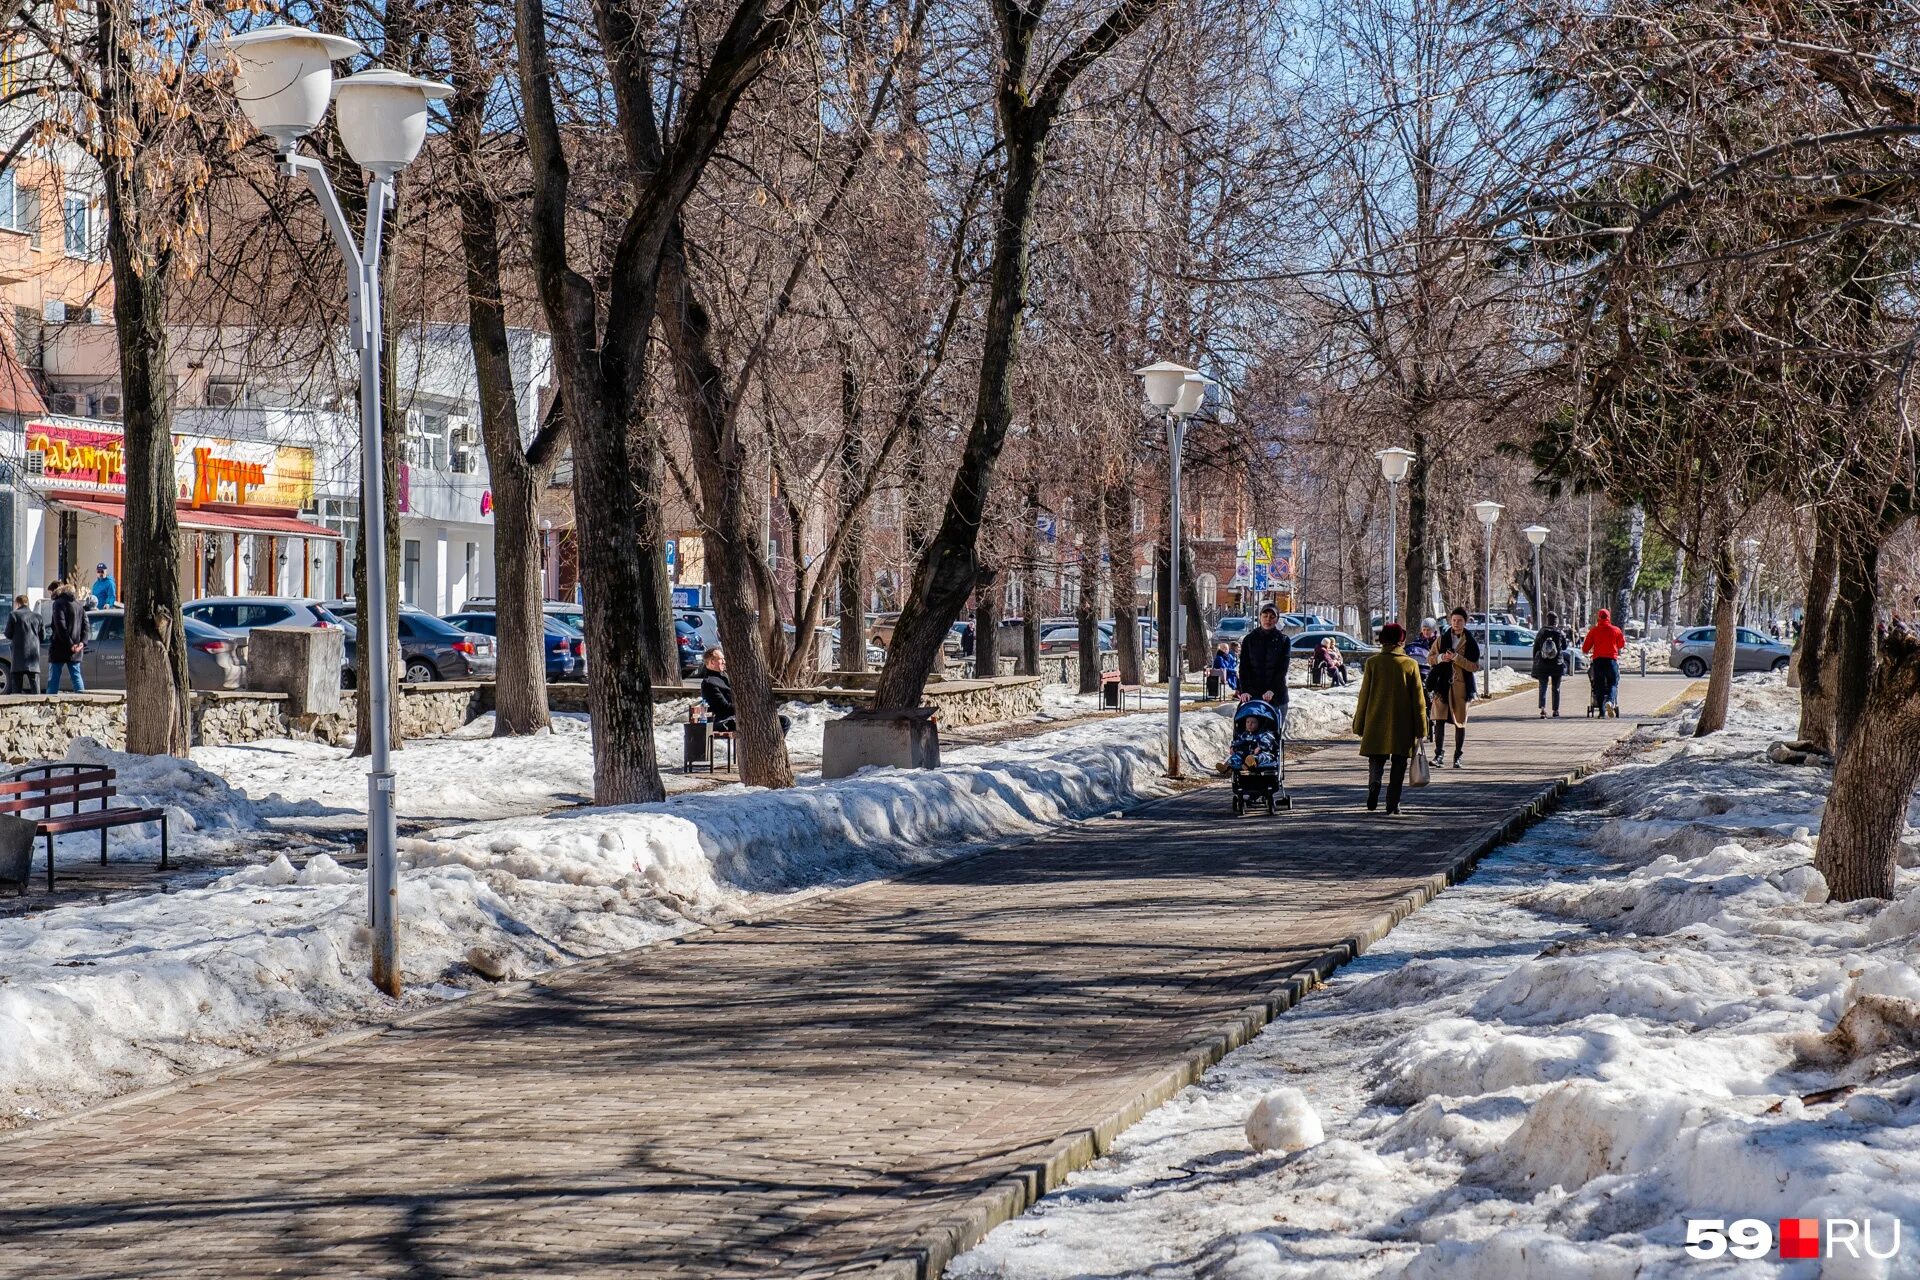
(1455, 659)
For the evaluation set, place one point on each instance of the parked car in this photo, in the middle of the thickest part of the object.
(563, 663)
(1513, 647)
(1350, 649)
(1064, 637)
(686, 638)
(237, 616)
(213, 657)
(1295, 623)
(570, 618)
(1692, 651)
(1232, 630)
(429, 648)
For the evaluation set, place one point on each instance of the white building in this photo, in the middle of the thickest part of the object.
(267, 453)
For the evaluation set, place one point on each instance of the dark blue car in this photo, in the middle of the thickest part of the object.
(559, 646)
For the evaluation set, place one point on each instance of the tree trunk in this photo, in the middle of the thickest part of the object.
(520, 682)
(731, 522)
(1419, 595)
(1195, 640)
(1087, 614)
(1125, 593)
(1726, 571)
(986, 623)
(853, 619)
(156, 650)
(1030, 587)
(1873, 780)
(1636, 554)
(1847, 665)
(1809, 667)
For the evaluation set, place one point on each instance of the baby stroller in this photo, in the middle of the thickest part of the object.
(1255, 758)
(1603, 698)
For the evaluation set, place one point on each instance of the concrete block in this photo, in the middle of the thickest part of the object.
(888, 739)
(301, 662)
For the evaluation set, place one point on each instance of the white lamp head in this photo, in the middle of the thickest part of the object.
(1394, 463)
(383, 117)
(1162, 382)
(1488, 512)
(282, 77)
(1193, 394)
(1537, 534)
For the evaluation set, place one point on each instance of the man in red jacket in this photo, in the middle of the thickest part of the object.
(1604, 643)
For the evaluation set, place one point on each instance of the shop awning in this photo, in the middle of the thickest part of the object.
(212, 521)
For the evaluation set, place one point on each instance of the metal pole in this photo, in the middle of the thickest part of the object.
(1486, 643)
(1539, 593)
(364, 326)
(1174, 434)
(1393, 551)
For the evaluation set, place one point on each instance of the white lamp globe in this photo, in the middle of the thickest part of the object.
(282, 76)
(1537, 534)
(1394, 463)
(383, 117)
(1193, 394)
(1488, 512)
(1163, 382)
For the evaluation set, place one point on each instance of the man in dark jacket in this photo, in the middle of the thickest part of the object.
(1264, 655)
(23, 636)
(67, 641)
(717, 692)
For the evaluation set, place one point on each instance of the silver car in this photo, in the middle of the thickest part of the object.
(1513, 647)
(1232, 630)
(1692, 652)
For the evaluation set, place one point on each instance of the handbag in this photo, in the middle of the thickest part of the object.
(1419, 772)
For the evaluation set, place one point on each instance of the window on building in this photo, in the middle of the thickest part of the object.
(1139, 516)
(76, 218)
(9, 201)
(427, 441)
(29, 336)
(410, 571)
(471, 583)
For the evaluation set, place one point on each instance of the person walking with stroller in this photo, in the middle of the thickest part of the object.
(1264, 656)
(1455, 658)
(1550, 648)
(1390, 715)
(1604, 644)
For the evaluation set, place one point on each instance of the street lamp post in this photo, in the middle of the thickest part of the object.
(1537, 535)
(1393, 469)
(284, 78)
(1177, 392)
(1489, 512)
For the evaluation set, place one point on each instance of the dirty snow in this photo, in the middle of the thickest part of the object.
(1643, 1011)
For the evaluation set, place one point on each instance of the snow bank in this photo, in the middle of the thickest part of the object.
(97, 1000)
(1644, 1011)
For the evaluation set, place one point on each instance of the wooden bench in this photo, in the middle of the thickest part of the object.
(47, 787)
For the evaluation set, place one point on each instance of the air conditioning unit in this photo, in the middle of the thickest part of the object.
(36, 463)
(71, 404)
(463, 433)
(225, 395)
(54, 311)
(111, 405)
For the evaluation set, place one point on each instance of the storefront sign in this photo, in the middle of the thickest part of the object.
(246, 473)
(77, 455)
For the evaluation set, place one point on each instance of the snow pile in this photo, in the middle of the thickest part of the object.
(1284, 1121)
(1646, 1010)
(97, 1000)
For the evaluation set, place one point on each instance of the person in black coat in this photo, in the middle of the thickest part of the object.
(1550, 649)
(67, 640)
(24, 630)
(1264, 656)
(717, 692)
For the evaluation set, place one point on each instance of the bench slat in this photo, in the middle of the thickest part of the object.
(100, 818)
(63, 782)
(20, 804)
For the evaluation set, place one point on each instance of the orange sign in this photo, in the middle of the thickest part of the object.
(223, 479)
(77, 455)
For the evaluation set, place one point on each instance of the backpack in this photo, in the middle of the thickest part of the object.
(1550, 649)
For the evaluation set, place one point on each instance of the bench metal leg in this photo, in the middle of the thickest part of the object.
(103, 846)
(49, 862)
(163, 842)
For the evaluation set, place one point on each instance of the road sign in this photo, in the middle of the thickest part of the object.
(1263, 550)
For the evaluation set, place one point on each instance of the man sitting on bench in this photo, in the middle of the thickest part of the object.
(717, 692)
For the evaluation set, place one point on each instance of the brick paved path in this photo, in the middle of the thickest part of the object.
(854, 1087)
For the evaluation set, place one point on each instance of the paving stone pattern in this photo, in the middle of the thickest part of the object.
(854, 1087)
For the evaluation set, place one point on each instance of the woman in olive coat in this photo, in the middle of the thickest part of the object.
(1390, 715)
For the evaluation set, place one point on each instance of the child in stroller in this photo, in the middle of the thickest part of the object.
(1255, 758)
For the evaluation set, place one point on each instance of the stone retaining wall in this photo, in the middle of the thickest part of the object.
(960, 703)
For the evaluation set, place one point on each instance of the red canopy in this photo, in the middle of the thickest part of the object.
(201, 518)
